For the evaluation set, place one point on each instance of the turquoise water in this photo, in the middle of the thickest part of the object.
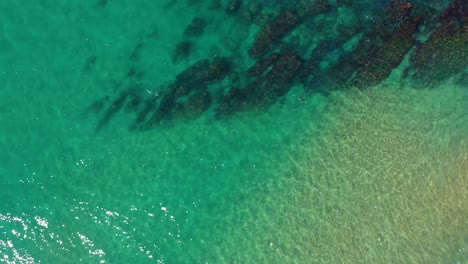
(256, 186)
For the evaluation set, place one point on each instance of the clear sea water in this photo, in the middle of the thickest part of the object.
(375, 176)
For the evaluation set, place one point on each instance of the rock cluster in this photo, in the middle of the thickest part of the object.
(284, 55)
(275, 75)
(273, 31)
(445, 53)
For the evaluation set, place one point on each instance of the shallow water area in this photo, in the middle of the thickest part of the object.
(301, 172)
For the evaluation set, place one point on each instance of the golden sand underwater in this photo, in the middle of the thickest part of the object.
(383, 178)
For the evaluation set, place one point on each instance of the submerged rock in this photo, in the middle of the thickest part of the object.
(193, 83)
(277, 81)
(398, 11)
(362, 57)
(114, 108)
(196, 28)
(233, 6)
(385, 58)
(181, 51)
(204, 72)
(445, 53)
(316, 7)
(262, 65)
(273, 31)
(197, 104)
(97, 105)
(141, 116)
(272, 83)
(251, 11)
(379, 51)
(89, 64)
(164, 110)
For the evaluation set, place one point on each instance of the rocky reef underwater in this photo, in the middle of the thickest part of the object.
(318, 45)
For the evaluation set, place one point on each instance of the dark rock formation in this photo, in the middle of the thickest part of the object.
(311, 66)
(196, 28)
(149, 106)
(445, 53)
(262, 65)
(97, 106)
(384, 58)
(135, 53)
(397, 12)
(251, 11)
(191, 83)
(172, 106)
(114, 108)
(316, 7)
(134, 102)
(272, 83)
(102, 3)
(233, 6)
(196, 104)
(379, 51)
(165, 109)
(362, 53)
(273, 31)
(344, 2)
(182, 51)
(187, 97)
(203, 73)
(277, 81)
(134, 73)
(89, 64)
(214, 4)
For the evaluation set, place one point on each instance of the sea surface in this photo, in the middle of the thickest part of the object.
(322, 174)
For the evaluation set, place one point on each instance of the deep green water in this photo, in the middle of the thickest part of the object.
(239, 188)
